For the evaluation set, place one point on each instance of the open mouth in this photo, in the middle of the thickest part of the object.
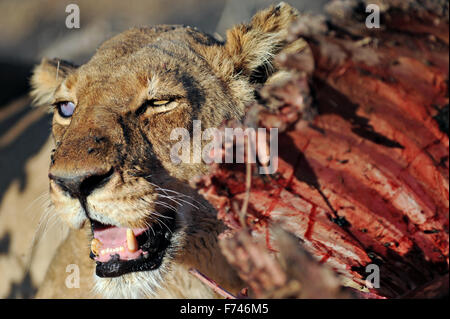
(120, 250)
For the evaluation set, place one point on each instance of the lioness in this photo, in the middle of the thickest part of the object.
(137, 227)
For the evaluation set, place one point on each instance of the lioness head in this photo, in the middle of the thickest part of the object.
(113, 117)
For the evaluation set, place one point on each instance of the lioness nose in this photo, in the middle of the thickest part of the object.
(83, 183)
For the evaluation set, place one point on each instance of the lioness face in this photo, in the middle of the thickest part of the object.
(113, 118)
(112, 123)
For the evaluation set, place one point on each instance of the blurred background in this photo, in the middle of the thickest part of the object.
(30, 30)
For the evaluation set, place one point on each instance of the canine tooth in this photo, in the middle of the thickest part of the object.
(131, 241)
(121, 248)
(95, 246)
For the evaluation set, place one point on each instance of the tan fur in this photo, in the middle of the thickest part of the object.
(209, 80)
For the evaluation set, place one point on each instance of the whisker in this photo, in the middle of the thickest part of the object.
(180, 199)
(162, 216)
(43, 196)
(178, 194)
(166, 205)
(150, 226)
(170, 198)
(160, 221)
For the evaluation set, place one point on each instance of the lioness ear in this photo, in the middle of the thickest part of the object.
(253, 46)
(46, 77)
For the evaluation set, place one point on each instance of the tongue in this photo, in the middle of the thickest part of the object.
(114, 242)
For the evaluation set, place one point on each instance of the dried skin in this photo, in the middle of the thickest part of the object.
(363, 163)
(272, 275)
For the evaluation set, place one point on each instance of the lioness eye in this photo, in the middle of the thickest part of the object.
(157, 105)
(159, 102)
(66, 109)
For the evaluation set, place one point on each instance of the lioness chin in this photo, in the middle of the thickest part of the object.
(137, 227)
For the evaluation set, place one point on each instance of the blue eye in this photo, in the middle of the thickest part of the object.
(65, 109)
